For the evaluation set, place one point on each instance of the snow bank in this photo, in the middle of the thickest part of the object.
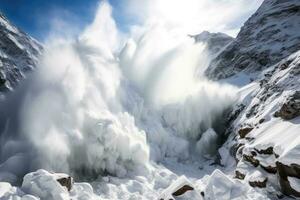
(220, 186)
(44, 185)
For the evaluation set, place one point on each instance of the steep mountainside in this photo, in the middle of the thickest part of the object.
(18, 54)
(270, 35)
(216, 42)
(265, 130)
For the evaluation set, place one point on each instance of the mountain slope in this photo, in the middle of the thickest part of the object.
(215, 42)
(264, 137)
(18, 54)
(269, 35)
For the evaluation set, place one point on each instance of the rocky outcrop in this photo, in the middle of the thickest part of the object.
(215, 42)
(66, 181)
(268, 36)
(182, 190)
(274, 144)
(285, 171)
(244, 131)
(260, 184)
(18, 54)
(291, 108)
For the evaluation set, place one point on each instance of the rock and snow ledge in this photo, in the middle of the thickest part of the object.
(45, 185)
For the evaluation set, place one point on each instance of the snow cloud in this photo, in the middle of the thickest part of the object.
(192, 16)
(108, 102)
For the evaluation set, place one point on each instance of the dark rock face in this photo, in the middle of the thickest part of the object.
(18, 54)
(239, 175)
(260, 184)
(66, 182)
(291, 108)
(182, 190)
(284, 171)
(266, 38)
(244, 131)
(267, 151)
(251, 159)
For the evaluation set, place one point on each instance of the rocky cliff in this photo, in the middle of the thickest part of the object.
(18, 54)
(268, 36)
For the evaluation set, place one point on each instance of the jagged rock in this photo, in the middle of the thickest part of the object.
(244, 131)
(261, 120)
(19, 54)
(267, 37)
(182, 190)
(285, 171)
(251, 159)
(268, 151)
(239, 175)
(258, 183)
(291, 108)
(66, 181)
(269, 169)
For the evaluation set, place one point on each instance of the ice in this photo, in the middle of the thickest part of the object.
(220, 186)
(44, 185)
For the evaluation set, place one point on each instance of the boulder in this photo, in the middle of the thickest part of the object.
(251, 159)
(66, 181)
(285, 171)
(267, 151)
(259, 183)
(239, 175)
(244, 131)
(291, 108)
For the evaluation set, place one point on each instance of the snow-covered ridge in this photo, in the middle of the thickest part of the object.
(18, 54)
(215, 42)
(268, 36)
(265, 136)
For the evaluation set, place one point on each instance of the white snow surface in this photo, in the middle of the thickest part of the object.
(127, 119)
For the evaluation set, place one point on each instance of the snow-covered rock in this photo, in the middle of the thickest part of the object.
(18, 54)
(271, 146)
(45, 185)
(269, 35)
(215, 42)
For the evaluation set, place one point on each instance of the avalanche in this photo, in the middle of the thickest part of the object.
(128, 120)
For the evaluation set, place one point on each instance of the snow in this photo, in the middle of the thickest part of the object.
(136, 124)
(220, 186)
(295, 183)
(44, 185)
(206, 145)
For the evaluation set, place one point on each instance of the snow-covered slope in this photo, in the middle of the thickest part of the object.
(18, 54)
(265, 136)
(270, 35)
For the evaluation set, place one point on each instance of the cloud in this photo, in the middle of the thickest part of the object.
(192, 16)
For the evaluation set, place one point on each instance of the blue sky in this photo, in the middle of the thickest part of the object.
(34, 16)
(38, 17)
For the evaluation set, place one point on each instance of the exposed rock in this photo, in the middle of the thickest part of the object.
(291, 108)
(66, 181)
(261, 120)
(284, 171)
(182, 190)
(258, 183)
(269, 169)
(239, 175)
(251, 159)
(266, 38)
(244, 131)
(19, 54)
(268, 151)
